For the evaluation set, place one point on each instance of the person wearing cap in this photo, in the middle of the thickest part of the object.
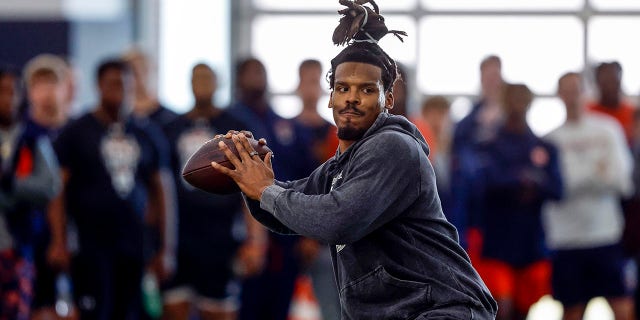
(375, 202)
(46, 78)
(28, 181)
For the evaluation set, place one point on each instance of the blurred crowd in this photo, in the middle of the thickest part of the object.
(96, 221)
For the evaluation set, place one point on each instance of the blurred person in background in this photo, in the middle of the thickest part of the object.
(35, 170)
(478, 127)
(608, 77)
(15, 291)
(631, 236)
(146, 102)
(612, 102)
(148, 111)
(316, 257)
(47, 80)
(521, 173)
(310, 91)
(208, 244)
(111, 168)
(584, 228)
(30, 176)
(487, 114)
(400, 93)
(268, 295)
(401, 100)
(436, 114)
(48, 99)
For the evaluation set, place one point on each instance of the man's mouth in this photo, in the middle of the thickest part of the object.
(351, 111)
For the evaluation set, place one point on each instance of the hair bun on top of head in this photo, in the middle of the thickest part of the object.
(361, 23)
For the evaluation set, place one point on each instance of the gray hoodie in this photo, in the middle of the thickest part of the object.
(395, 255)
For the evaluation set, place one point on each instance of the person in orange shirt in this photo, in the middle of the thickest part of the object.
(608, 79)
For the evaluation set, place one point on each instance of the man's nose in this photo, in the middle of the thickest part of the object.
(353, 97)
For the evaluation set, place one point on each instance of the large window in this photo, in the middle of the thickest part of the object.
(325, 5)
(192, 31)
(538, 40)
(534, 50)
(503, 5)
(606, 43)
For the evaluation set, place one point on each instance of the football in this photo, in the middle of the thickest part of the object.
(199, 173)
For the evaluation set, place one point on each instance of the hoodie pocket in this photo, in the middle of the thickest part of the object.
(379, 295)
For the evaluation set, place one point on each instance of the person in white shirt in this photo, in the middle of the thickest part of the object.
(585, 227)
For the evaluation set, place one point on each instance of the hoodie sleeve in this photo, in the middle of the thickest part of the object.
(266, 218)
(380, 182)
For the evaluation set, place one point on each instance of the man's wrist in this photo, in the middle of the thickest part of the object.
(261, 192)
(269, 196)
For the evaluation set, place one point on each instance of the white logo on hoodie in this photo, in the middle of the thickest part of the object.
(335, 180)
(333, 184)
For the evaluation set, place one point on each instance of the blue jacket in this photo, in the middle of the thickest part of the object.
(395, 255)
(466, 171)
(521, 172)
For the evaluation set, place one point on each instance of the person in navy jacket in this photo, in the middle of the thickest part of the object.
(520, 173)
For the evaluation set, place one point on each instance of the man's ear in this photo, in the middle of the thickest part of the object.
(388, 100)
(331, 99)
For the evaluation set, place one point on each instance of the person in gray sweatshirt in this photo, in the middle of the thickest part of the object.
(374, 203)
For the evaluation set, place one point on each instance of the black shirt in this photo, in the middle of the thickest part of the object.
(206, 220)
(110, 169)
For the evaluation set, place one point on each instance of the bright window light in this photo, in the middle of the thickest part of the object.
(312, 5)
(85, 10)
(289, 106)
(606, 44)
(615, 4)
(192, 31)
(460, 107)
(281, 42)
(286, 106)
(503, 5)
(534, 50)
(545, 115)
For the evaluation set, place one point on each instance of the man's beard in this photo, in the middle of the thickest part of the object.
(350, 133)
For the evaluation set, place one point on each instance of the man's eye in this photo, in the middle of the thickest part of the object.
(368, 90)
(343, 89)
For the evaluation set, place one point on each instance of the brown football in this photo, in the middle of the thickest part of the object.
(199, 173)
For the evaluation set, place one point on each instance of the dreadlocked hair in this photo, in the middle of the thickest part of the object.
(370, 53)
(361, 27)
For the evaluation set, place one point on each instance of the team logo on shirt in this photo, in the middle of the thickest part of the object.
(121, 154)
(189, 142)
